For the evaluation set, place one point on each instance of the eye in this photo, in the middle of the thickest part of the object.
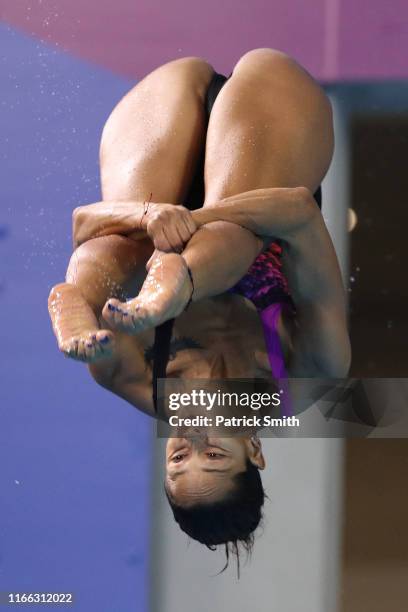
(212, 455)
(178, 458)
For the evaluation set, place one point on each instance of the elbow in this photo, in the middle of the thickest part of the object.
(78, 222)
(308, 207)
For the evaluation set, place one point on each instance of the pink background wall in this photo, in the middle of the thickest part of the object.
(333, 39)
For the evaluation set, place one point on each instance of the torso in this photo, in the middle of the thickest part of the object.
(217, 337)
(231, 341)
(229, 329)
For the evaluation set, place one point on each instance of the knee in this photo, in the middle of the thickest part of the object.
(192, 70)
(95, 257)
(107, 248)
(109, 261)
(276, 67)
(98, 268)
(190, 64)
(83, 259)
(263, 58)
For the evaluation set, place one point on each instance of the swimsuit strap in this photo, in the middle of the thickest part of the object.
(161, 353)
(269, 317)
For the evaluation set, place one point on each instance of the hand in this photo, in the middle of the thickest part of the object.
(169, 226)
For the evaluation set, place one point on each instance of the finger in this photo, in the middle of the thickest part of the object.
(190, 229)
(189, 221)
(183, 230)
(183, 235)
(173, 238)
(161, 242)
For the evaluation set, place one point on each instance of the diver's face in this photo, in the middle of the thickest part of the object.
(202, 468)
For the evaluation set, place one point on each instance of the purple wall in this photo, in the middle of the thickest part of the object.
(333, 39)
(373, 39)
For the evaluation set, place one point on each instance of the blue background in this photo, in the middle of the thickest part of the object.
(75, 460)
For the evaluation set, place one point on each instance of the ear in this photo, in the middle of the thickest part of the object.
(255, 454)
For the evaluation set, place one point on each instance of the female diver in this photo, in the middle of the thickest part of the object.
(223, 212)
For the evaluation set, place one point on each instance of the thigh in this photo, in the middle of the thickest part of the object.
(270, 126)
(153, 138)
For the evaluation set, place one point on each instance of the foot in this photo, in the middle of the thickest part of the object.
(76, 327)
(164, 295)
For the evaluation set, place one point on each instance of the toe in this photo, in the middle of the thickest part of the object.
(81, 351)
(118, 315)
(110, 312)
(89, 348)
(139, 315)
(105, 341)
(72, 348)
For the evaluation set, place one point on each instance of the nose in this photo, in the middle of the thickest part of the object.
(198, 438)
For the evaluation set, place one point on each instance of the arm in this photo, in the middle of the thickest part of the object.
(233, 232)
(168, 225)
(129, 218)
(107, 218)
(276, 211)
(310, 264)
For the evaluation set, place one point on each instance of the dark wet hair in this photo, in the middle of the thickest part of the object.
(230, 521)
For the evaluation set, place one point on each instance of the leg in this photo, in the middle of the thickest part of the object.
(98, 269)
(271, 126)
(150, 144)
(153, 138)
